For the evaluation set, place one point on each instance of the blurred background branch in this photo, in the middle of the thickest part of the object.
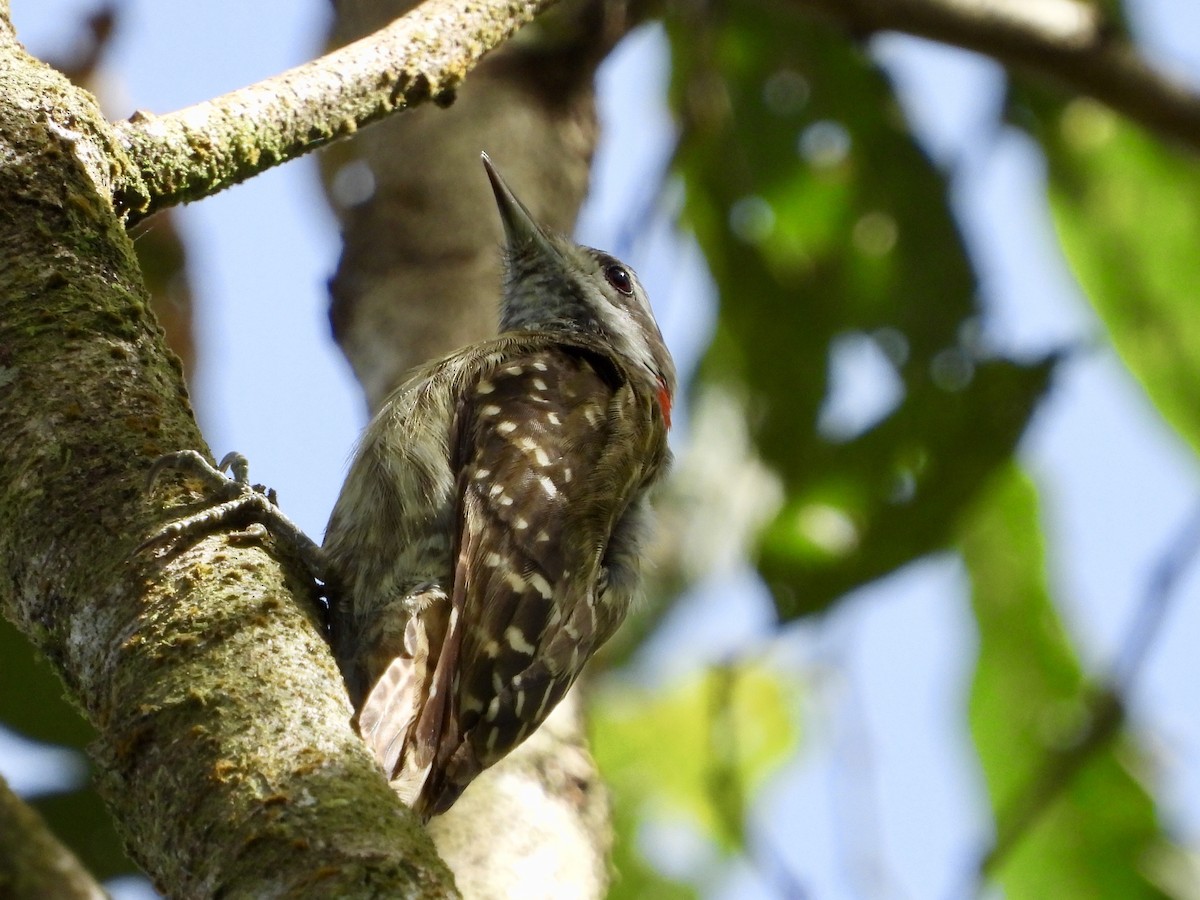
(1073, 43)
(32, 861)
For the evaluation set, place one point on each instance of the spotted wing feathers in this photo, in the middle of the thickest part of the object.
(536, 453)
(550, 450)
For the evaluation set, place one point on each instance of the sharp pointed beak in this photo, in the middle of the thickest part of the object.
(520, 229)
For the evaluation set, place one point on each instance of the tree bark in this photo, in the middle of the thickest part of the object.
(225, 751)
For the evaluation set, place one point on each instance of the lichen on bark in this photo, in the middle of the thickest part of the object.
(225, 749)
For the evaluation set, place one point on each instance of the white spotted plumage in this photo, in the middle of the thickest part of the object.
(488, 537)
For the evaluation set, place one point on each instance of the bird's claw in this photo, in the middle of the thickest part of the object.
(235, 499)
(236, 465)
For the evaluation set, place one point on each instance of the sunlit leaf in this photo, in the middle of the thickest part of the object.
(1099, 838)
(32, 703)
(699, 750)
(1127, 208)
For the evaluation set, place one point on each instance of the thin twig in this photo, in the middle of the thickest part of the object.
(1058, 769)
(1151, 612)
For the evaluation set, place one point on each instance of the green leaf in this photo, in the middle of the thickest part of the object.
(33, 703)
(38, 708)
(820, 217)
(699, 750)
(896, 492)
(1099, 838)
(817, 213)
(1127, 209)
(636, 879)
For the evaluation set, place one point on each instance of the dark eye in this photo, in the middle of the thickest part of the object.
(619, 278)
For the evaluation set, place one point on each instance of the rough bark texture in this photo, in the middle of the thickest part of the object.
(224, 745)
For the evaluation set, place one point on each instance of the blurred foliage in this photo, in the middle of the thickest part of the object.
(695, 753)
(1098, 836)
(32, 703)
(1127, 208)
(820, 217)
(634, 878)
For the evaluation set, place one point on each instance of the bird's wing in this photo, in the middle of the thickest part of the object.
(543, 473)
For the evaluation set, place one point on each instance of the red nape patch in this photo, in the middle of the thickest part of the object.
(664, 401)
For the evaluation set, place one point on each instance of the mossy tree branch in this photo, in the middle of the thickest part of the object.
(205, 148)
(225, 750)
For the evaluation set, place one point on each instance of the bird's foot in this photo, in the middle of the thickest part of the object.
(234, 501)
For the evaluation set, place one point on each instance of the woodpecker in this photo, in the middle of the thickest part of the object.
(488, 538)
(489, 535)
